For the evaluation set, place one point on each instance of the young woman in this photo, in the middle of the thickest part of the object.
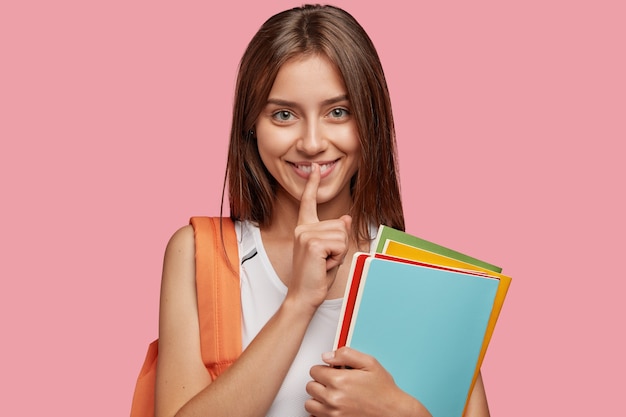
(311, 174)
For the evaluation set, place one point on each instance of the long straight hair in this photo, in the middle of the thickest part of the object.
(333, 33)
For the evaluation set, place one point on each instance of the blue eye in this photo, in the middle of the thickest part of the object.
(339, 113)
(283, 115)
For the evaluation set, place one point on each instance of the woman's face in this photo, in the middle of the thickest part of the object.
(307, 118)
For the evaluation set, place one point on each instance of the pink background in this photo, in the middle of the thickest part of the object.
(114, 117)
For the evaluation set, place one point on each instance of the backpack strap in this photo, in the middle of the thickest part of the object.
(218, 291)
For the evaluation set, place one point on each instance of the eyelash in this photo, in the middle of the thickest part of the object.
(278, 115)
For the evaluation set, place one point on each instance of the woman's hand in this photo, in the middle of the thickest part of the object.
(355, 384)
(319, 248)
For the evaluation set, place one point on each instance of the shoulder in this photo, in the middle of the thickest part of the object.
(181, 240)
(179, 256)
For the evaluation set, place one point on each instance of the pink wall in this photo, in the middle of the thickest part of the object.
(114, 119)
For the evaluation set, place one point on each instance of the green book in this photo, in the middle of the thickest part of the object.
(386, 233)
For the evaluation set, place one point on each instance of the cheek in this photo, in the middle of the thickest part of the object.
(267, 145)
(355, 155)
(272, 142)
(349, 138)
(272, 148)
(351, 144)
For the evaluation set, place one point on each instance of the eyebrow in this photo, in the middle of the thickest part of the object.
(287, 103)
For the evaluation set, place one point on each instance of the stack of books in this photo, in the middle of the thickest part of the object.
(426, 313)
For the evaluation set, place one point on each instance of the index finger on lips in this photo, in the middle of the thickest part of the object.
(308, 201)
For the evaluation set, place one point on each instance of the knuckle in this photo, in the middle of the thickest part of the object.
(371, 361)
(315, 245)
(336, 398)
(303, 234)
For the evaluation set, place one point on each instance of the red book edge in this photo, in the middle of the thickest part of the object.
(356, 281)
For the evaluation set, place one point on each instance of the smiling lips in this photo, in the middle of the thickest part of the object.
(303, 169)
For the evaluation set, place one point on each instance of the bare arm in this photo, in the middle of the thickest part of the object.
(183, 385)
(180, 371)
(477, 405)
(248, 387)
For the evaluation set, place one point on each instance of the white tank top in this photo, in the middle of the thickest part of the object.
(262, 292)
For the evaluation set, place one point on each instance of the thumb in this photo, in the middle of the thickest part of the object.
(346, 357)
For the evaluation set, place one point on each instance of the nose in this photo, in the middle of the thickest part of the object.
(312, 139)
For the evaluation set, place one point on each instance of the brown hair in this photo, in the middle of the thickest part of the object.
(335, 34)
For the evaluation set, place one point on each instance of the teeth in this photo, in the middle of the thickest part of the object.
(307, 168)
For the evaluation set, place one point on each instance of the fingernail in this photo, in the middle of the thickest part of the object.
(328, 355)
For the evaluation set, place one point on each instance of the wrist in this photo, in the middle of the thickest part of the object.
(411, 407)
(295, 307)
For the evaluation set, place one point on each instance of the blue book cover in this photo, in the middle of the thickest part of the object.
(425, 326)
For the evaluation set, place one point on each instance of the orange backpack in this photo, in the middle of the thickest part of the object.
(219, 308)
